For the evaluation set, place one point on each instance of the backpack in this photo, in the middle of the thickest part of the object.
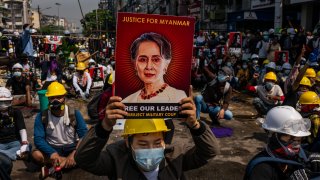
(72, 117)
(93, 106)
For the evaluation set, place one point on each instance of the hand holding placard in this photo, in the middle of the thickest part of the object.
(115, 110)
(188, 108)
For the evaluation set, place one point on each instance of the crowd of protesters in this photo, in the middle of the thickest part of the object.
(279, 69)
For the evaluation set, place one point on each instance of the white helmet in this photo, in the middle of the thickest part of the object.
(271, 65)
(5, 94)
(286, 120)
(254, 56)
(17, 66)
(286, 66)
(92, 61)
(271, 31)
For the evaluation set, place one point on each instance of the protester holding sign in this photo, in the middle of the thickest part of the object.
(143, 154)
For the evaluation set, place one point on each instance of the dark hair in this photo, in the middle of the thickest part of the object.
(161, 41)
(25, 26)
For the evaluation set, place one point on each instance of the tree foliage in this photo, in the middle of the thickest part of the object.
(51, 29)
(98, 20)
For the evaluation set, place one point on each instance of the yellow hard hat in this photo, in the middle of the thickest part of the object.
(318, 76)
(270, 76)
(305, 81)
(110, 80)
(310, 73)
(55, 89)
(266, 62)
(139, 126)
(309, 97)
(81, 66)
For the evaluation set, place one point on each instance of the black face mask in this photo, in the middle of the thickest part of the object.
(56, 105)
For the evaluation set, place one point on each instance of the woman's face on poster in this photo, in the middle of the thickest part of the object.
(238, 38)
(149, 64)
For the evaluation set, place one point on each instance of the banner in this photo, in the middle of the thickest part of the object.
(153, 63)
(235, 43)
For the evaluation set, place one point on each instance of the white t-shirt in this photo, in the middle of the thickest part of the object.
(262, 49)
(263, 94)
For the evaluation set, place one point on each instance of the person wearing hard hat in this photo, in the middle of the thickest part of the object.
(13, 135)
(269, 94)
(57, 131)
(292, 97)
(283, 157)
(20, 86)
(311, 74)
(316, 86)
(143, 153)
(309, 103)
(82, 81)
(270, 67)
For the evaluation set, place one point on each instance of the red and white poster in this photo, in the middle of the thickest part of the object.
(153, 66)
(221, 51)
(235, 43)
(282, 56)
(97, 76)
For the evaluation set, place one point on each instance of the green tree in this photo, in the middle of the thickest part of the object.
(98, 21)
(51, 29)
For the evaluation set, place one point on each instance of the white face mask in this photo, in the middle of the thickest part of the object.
(4, 105)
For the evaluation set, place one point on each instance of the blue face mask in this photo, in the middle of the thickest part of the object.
(148, 159)
(229, 64)
(219, 61)
(17, 74)
(244, 66)
(268, 86)
(222, 78)
(266, 38)
(287, 72)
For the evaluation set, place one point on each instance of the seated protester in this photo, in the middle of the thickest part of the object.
(20, 86)
(243, 75)
(283, 75)
(82, 81)
(106, 70)
(269, 94)
(309, 108)
(283, 157)
(25, 63)
(293, 96)
(270, 67)
(215, 98)
(311, 74)
(13, 134)
(143, 154)
(57, 131)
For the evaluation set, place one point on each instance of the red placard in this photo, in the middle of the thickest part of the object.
(281, 56)
(153, 63)
(235, 43)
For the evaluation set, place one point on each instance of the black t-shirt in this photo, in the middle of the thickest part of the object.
(18, 87)
(11, 125)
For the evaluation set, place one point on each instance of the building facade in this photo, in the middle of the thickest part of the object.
(19, 14)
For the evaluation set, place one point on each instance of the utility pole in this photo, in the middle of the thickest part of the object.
(25, 12)
(58, 5)
(278, 5)
(13, 18)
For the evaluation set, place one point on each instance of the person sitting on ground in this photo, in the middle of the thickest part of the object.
(269, 94)
(216, 97)
(57, 131)
(309, 103)
(243, 75)
(283, 157)
(82, 81)
(13, 134)
(20, 87)
(143, 153)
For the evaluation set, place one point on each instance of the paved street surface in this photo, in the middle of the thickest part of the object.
(236, 151)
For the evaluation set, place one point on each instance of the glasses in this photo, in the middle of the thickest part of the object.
(303, 125)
